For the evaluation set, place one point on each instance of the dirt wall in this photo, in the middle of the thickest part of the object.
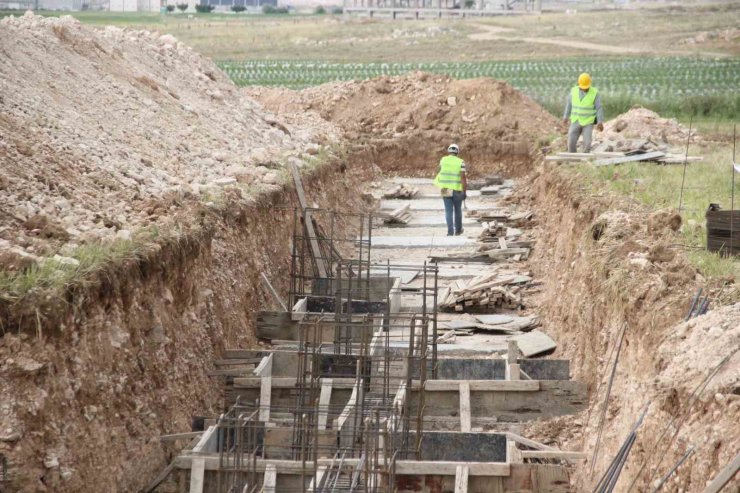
(127, 360)
(610, 263)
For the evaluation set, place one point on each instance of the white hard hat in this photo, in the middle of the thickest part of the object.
(453, 149)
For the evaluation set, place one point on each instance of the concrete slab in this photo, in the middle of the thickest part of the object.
(534, 343)
(430, 204)
(421, 242)
(413, 181)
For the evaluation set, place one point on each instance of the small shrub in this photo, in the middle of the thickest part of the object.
(170, 8)
(182, 7)
(319, 10)
(204, 8)
(337, 10)
(271, 9)
(238, 8)
(469, 4)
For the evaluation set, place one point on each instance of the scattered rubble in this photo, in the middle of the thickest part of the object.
(402, 191)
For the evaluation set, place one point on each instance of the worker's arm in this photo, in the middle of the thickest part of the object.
(599, 113)
(566, 115)
(464, 179)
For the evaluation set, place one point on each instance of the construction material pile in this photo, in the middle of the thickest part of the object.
(402, 191)
(637, 135)
(485, 293)
(107, 131)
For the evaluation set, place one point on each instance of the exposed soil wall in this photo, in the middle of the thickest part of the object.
(85, 400)
(609, 262)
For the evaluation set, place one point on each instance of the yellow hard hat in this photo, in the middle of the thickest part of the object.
(584, 81)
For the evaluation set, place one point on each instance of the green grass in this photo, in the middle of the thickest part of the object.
(54, 276)
(659, 187)
(672, 86)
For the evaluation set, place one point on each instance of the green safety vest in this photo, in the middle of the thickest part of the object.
(449, 175)
(583, 110)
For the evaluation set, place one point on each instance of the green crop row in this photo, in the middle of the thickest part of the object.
(674, 86)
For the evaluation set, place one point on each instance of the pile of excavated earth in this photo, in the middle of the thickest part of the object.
(106, 134)
(107, 131)
(412, 118)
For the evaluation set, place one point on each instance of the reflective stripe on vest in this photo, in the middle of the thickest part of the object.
(583, 110)
(449, 175)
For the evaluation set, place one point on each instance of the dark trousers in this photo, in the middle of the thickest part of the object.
(453, 204)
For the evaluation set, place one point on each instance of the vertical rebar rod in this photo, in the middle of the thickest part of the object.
(606, 399)
(678, 464)
(685, 164)
(732, 192)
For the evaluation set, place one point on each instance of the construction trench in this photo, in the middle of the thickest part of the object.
(519, 356)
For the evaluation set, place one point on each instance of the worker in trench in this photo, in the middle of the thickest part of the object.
(583, 109)
(453, 185)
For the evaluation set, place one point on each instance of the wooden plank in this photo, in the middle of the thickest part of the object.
(464, 406)
(528, 442)
(197, 474)
(403, 467)
(273, 292)
(230, 372)
(324, 400)
(553, 454)
(626, 159)
(180, 436)
(412, 467)
(513, 454)
(318, 480)
(308, 222)
(461, 479)
(287, 382)
(265, 397)
(724, 476)
(270, 480)
(265, 367)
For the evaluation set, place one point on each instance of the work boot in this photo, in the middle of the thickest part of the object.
(460, 232)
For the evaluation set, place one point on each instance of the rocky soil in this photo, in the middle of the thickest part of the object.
(645, 124)
(107, 131)
(615, 265)
(410, 120)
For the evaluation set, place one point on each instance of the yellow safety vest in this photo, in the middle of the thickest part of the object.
(449, 175)
(583, 110)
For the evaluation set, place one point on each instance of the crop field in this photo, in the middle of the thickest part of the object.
(673, 86)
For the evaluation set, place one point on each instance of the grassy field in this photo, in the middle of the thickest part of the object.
(673, 86)
(663, 67)
(660, 187)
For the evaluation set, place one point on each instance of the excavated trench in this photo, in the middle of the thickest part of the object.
(128, 359)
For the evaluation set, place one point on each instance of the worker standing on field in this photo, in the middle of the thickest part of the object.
(583, 109)
(453, 184)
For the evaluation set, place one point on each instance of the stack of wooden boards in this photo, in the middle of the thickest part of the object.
(402, 191)
(402, 215)
(492, 324)
(487, 292)
(625, 151)
(518, 219)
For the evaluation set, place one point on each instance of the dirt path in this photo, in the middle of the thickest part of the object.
(496, 33)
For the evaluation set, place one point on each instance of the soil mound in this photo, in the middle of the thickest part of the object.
(641, 123)
(104, 131)
(420, 114)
